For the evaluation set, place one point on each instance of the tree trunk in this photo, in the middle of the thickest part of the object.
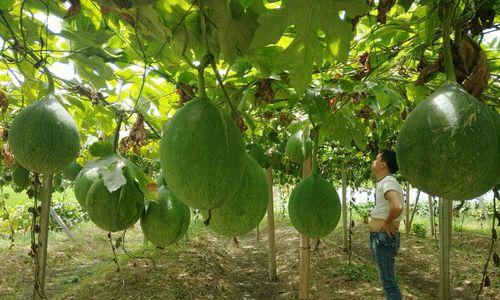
(445, 220)
(43, 237)
(270, 227)
(344, 208)
(257, 233)
(305, 246)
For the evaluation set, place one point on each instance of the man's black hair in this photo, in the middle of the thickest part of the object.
(389, 157)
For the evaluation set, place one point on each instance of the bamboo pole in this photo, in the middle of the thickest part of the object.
(61, 224)
(445, 221)
(344, 208)
(407, 209)
(270, 227)
(43, 237)
(414, 208)
(305, 246)
(431, 216)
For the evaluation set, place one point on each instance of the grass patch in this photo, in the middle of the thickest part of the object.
(358, 272)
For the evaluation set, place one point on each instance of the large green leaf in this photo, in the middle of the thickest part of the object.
(7, 4)
(235, 25)
(308, 19)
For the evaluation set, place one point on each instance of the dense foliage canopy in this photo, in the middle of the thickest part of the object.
(356, 68)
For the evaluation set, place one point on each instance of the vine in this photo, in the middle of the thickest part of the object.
(113, 249)
(116, 136)
(6, 216)
(34, 230)
(133, 256)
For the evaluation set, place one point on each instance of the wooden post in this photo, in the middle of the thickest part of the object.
(344, 208)
(445, 220)
(61, 224)
(431, 215)
(270, 228)
(43, 237)
(145, 241)
(305, 246)
(407, 209)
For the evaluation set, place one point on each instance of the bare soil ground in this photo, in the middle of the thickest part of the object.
(207, 266)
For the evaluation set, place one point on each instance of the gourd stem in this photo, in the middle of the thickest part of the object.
(213, 63)
(116, 137)
(202, 93)
(315, 136)
(447, 13)
(50, 79)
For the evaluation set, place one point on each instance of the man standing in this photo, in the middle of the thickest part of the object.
(385, 218)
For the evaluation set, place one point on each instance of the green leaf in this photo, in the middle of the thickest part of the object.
(246, 3)
(235, 25)
(187, 77)
(340, 132)
(406, 4)
(339, 126)
(86, 39)
(269, 60)
(145, 183)
(7, 4)
(357, 132)
(382, 96)
(427, 29)
(92, 69)
(308, 18)
(101, 149)
(248, 120)
(417, 94)
(386, 96)
(273, 137)
(118, 242)
(316, 106)
(150, 23)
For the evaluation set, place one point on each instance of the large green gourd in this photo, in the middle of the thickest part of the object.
(448, 145)
(494, 178)
(314, 207)
(202, 155)
(44, 137)
(114, 211)
(166, 221)
(245, 210)
(297, 149)
(89, 175)
(111, 211)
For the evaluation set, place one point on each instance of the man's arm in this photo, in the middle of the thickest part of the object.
(396, 204)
